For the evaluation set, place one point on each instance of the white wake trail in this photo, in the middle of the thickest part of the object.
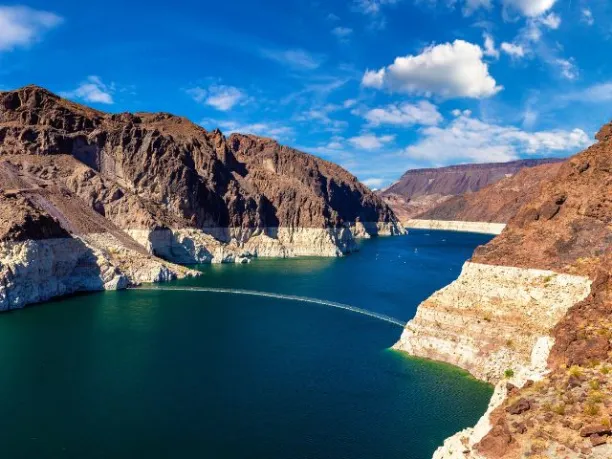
(303, 299)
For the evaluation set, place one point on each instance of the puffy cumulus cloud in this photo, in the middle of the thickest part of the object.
(513, 50)
(447, 70)
(221, 97)
(467, 139)
(530, 8)
(406, 114)
(371, 141)
(22, 26)
(92, 90)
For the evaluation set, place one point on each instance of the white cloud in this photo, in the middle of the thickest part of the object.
(342, 33)
(92, 90)
(374, 183)
(567, 67)
(513, 50)
(348, 103)
(372, 7)
(471, 6)
(489, 46)
(406, 114)
(530, 117)
(320, 114)
(456, 112)
(295, 58)
(447, 70)
(552, 21)
(221, 97)
(22, 26)
(597, 93)
(371, 141)
(530, 8)
(467, 139)
(274, 130)
(587, 16)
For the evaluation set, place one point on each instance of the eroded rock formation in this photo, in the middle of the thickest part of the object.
(129, 188)
(531, 313)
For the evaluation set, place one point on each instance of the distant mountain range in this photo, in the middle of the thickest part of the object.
(420, 191)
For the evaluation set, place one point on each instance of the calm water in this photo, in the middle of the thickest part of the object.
(206, 375)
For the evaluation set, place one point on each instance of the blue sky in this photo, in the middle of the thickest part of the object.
(378, 86)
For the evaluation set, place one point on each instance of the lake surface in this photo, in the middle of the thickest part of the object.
(174, 374)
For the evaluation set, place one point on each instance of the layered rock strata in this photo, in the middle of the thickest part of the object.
(530, 313)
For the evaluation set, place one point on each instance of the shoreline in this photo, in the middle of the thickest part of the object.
(460, 226)
(493, 322)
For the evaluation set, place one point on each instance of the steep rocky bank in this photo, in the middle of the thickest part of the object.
(107, 200)
(530, 313)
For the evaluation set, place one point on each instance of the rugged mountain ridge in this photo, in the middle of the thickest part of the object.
(530, 313)
(495, 203)
(141, 186)
(422, 191)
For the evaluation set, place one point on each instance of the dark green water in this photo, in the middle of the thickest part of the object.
(206, 375)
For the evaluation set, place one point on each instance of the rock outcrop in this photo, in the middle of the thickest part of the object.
(419, 193)
(108, 200)
(530, 313)
(152, 173)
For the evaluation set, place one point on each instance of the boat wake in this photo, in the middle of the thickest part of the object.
(303, 299)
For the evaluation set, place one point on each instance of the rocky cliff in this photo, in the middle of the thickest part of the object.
(451, 193)
(141, 186)
(530, 312)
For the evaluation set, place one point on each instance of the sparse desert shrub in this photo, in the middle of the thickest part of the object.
(575, 371)
(594, 384)
(591, 409)
(509, 373)
(559, 409)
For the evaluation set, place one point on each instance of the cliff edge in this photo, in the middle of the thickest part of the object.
(530, 313)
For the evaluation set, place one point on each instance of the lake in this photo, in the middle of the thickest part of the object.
(189, 374)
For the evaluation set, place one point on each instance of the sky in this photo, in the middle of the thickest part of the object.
(377, 86)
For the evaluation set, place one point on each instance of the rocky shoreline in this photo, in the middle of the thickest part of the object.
(530, 313)
(495, 322)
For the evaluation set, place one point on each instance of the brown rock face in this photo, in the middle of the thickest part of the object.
(448, 193)
(566, 227)
(150, 171)
(496, 203)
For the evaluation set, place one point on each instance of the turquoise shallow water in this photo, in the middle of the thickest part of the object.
(162, 374)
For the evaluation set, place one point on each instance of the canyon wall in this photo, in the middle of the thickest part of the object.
(529, 314)
(92, 200)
